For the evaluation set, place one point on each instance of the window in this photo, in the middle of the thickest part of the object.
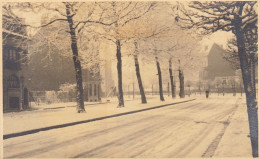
(12, 54)
(95, 90)
(13, 82)
(11, 58)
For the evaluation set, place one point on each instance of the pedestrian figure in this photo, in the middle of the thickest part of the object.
(207, 93)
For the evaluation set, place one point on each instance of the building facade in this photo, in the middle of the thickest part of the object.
(218, 72)
(92, 91)
(217, 65)
(15, 80)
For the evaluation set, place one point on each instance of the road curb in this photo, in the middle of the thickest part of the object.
(33, 131)
(73, 106)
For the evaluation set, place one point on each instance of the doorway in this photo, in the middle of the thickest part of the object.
(14, 102)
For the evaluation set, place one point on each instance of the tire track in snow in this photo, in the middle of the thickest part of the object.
(214, 144)
(200, 136)
(76, 139)
(197, 139)
(130, 139)
(12, 135)
(35, 151)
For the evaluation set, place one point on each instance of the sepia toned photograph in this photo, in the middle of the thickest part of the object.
(130, 79)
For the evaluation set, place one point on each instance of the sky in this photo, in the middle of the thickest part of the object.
(220, 37)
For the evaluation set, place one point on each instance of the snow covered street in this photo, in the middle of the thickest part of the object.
(199, 128)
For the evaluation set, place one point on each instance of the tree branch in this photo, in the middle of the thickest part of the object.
(137, 17)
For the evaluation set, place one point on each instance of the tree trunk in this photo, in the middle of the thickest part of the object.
(139, 79)
(181, 77)
(248, 87)
(79, 94)
(171, 79)
(160, 79)
(119, 72)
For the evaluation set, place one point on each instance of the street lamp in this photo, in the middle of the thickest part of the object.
(251, 45)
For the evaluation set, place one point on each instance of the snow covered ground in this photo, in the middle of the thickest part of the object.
(211, 127)
(60, 113)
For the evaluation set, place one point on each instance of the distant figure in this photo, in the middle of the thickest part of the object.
(207, 93)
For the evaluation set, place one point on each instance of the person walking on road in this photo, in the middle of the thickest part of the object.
(207, 93)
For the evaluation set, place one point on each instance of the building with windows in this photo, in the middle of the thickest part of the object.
(218, 72)
(92, 90)
(15, 80)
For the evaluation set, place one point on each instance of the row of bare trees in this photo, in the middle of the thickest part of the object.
(107, 19)
(69, 26)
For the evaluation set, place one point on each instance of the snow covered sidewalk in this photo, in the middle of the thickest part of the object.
(37, 120)
(236, 141)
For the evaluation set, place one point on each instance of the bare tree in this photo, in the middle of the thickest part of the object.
(182, 53)
(138, 75)
(159, 78)
(122, 14)
(231, 54)
(77, 16)
(150, 46)
(138, 33)
(173, 86)
(169, 46)
(181, 78)
(157, 53)
(239, 17)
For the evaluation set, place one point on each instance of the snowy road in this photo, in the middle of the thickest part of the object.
(191, 129)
